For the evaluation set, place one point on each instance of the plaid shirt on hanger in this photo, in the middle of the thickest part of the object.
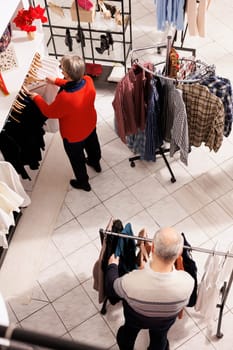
(221, 87)
(205, 114)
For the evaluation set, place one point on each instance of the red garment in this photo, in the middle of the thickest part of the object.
(74, 110)
(129, 103)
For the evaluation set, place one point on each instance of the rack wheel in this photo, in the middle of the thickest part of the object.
(132, 164)
(219, 335)
(173, 180)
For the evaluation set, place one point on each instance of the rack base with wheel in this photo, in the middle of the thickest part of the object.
(161, 151)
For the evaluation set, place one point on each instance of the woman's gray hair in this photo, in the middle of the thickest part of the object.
(168, 244)
(74, 66)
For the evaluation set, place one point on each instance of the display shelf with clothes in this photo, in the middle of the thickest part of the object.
(22, 139)
(13, 199)
(223, 275)
(158, 112)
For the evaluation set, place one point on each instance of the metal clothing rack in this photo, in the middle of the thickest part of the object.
(161, 150)
(226, 286)
(14, 338)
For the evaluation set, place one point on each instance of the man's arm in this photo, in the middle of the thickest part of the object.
(111, 275)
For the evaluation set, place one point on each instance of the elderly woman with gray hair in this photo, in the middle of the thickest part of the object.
(75, 110)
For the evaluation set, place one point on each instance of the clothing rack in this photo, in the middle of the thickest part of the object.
(161, 150)
(14, 338)
(226, 286)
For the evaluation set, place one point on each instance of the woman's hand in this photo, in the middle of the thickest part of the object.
(50, 80)
(30, 94)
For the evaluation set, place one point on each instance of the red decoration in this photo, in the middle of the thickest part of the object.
(3, 87)
(94, 69)
(85, 4)
(25, 18)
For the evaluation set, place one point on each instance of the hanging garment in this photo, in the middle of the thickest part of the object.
(221, 87)
(108, 247)
(22, 138)
(49, 67)
(126, 250)
(137, 143)
(174, 121)
(190, 267)
(129, 102)
(179, 266)
(153, 130)
(4, 318)
(196, 16)
(10, 202)
(169, 12)
(205, 114)
(217, 270)
(9, 175)
(6, 221)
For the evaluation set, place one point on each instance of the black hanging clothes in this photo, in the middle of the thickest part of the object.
(24, 133)
(190, 267)
(126, 250)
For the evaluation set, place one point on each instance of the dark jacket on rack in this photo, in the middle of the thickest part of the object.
(24, 133)
(126, 250)
(153, 131)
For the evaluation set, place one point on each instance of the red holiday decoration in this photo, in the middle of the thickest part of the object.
(24, 19)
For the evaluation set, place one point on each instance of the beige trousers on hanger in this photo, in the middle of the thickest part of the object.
(196, 16)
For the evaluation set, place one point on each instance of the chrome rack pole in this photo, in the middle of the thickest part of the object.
(197, 249)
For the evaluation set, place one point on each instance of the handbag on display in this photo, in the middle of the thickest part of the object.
(5, 39)
(87, 16)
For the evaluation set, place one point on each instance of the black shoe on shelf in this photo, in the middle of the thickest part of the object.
(80, 37)
(104, 44)
(96, 167)
(80, 186)
(69, 40)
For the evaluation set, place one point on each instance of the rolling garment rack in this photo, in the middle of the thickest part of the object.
(170, 40)
(225, 288)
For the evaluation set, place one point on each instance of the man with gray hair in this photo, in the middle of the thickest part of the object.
(153, 296)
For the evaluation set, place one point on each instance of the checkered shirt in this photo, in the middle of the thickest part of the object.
(205, 114)
(221, 87)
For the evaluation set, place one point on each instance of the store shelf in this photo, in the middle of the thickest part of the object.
(14, 78)
(92, 31)
(8, 9)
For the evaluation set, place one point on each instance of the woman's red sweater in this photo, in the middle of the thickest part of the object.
(75, 110)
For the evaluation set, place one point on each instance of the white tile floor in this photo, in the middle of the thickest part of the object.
(199, 203)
